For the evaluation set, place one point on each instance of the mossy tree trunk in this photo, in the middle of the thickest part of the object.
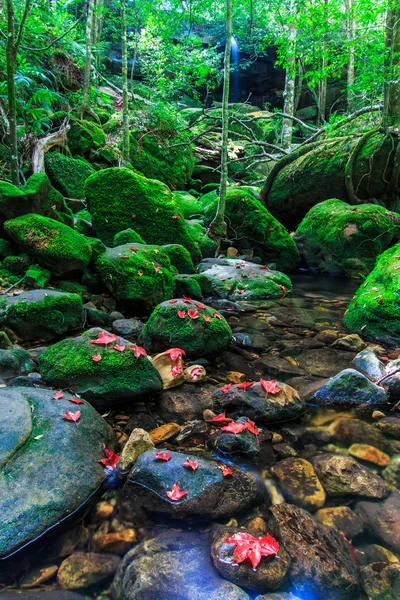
(14, 38)
(87, 78)
(125, 93)
(392, 98)
(218, 229)
(290, 81)
(351, 36)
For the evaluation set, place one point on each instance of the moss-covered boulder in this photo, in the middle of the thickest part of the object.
(127, 236)
(340, 239)
(49, 467)
(179, 257)
(36, 196)
(17, 265)
(37, 277)
(84, 136)
(116, 375)
(374, 312)
(137, 273)
(189, 205)
(186, 285)
(54, 245)
(68, 175)
(41, 314)
(251, 226)
(235, 279)
(196, 328)
(199, 234)
(121, 199)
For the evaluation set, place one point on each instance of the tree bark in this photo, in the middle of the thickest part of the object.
(218, 229)
(125, 103)
(59, 138)
(351, 36)
(392, 100)
(88, 60)
(290, 81)
(12, 99)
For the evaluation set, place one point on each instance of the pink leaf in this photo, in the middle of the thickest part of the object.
(175, 353)
(207, 319)
(234, 428)
(165, 456)
(225, 470)
(248, 546)
(187, 300)
(96, 358)
(226, 387)
(181, 314)
(176, 493)
(177, 370)
(139, 351)
(119, 348)
(58, 395)
(191, 464)
(270, 386)
(76, 401)
(173, 301)
(72, 416)
(218, 316)
(104, 338)
(245, 384)
(193, 314)
(111, 459)
(220, 419)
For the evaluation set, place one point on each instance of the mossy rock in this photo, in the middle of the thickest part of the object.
(68, 175)
(235, 279)
(186, 285)
(197, 336)
(189, 205)
(37, 277)
(139, 274)
(84, 136)
(36, 196)
(17, 265)
(340, 239)
(54, 245)
(41, 314)
(374, 312)
(199, 234)
(98, 248)
(117, 376)
(179, 258)
(250, 224)
(135, 202)
(128, 236)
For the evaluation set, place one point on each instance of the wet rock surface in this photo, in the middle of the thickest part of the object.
(383, 520)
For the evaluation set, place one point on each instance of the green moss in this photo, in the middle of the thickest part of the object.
(204, 283)
(41, 314)
(250, 222)
(67, 175)
(179, 257)
(54, 245)
(141, 275)
(107, 155)
(135, 202)
(186, 285)
(199, 234)
(374, 312)
(84, 214)
(17, 265)
(128, 236)
(340, 239)
(97, 247)
(84, 135)
(165, 329)
(73, 287)
(189, 205)
(37, 277)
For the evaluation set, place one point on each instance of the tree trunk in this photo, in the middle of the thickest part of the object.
(351, 36)
(12, 100)
(218, 229)
(125, 104)
(59, 138)
(391, 112)
(290, 81)
(88, 62)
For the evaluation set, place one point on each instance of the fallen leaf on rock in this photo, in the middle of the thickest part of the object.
(253, 548)
(175, 353)
(181, 314)
(76, 401)
(139, 351)
(191, 464)
(133, 249)
(226, 387)
(58, 395)
(195, 372)
(193, 314)
(187, 300)
(207, 319)
(166, 456)
(176, 216)
(220, 419)
(96, 358)
(251, 426)
(72, 416)
(104, 338)
(177, 370)
(199, 305)
(284, 292)
(176, 493)
(119, 348)
(218, 316)
(234, 428)
(140, 273)
(225, 470)
(173, 301)
(245, 384)
(111, 459)
(270, 386)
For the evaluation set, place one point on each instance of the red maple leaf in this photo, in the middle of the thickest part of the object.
(176, 216)
(181, 314)
(195, 372)
(352, 548)
(177, 370)
(133, 249)
(199, 305)
(58, 395)
(220, 419)
(76, 401)
(119, 348)
(139, 351)
(124, 256)
(218, 316)
(191, 464)
(72, 416)
(270, 386)
(176, 493)
(245, 384)
(104, 338)
(226, 387)
(96, 358)
(140, 273)
(187, 300)
(207, 319)
(173, 301)
(175, 353)
(193, 313)
(111, 459)
(251, 426)
(284, 290)
(264, 268)
(234, 427)
(225, 470)
(248, 546)
(166, 456)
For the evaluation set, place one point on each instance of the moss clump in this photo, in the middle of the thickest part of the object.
(54, 245)
(340, 239)
(84, 136)
(17, 265)
(197, 336)
(68, 175)
(41, 314)
(117, 376)
(135, 202)
(97, 247)
(251, 225)
(189, 205)
(137, 273)
(374, 312)
(199, 234)
(186, 285)
(180, 258)
(128, 236)
(37, 277)
(85, 215)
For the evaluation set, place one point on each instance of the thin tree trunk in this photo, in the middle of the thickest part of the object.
(218, 229)
(392, 87)
(299, 86)
(12, 99)
(88, 62)
(351, 37)
(290, 81)
(125, 104)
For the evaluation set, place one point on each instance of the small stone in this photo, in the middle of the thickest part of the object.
(389, 426)
(284, 450)
(236, 377)
(299, 483)
(195, 374)
(354, 431)
(277, 438)
(38, 576)
(328, 336)
(349, 388)
(392, 472)
(83, 569)
(208, 414)
(342, 518)
(376, 553)
(165, 432)
(383, 519)
(119, 542)
(377, 414)
(139, 441)
(257, 526)
(103, 510)
(369, 454)
(351, 343)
